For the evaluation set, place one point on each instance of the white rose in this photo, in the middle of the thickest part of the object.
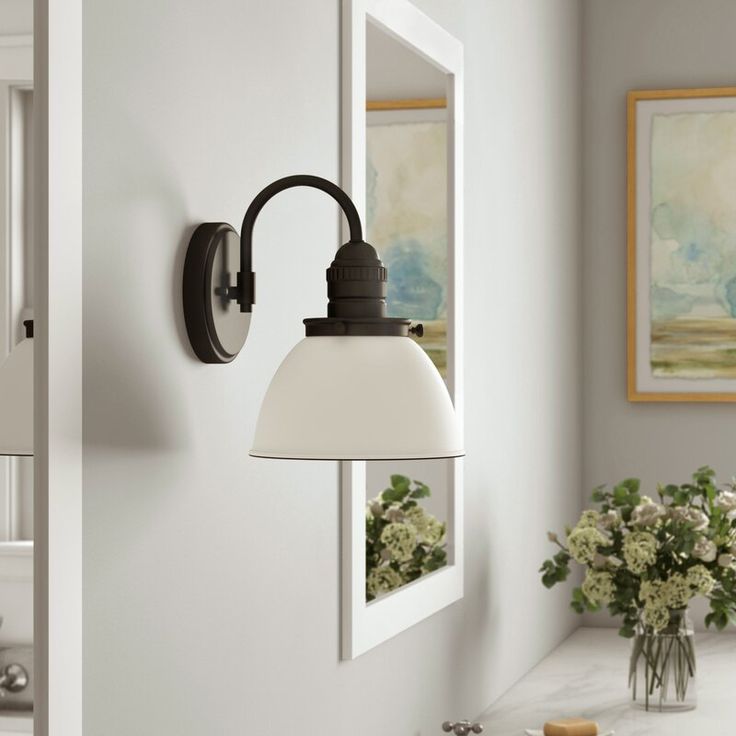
(725, 560)
(609, 520)
(395, 514)
(647, 514)
(601, 562)
(726, 500)
(705, 550)
(684, 514)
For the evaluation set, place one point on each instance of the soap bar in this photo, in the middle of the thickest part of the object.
(571, 727)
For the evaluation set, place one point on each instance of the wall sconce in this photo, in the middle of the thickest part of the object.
(16, 398)
(356, 388)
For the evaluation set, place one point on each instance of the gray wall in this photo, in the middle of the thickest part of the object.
(633, 44)
(211, 579)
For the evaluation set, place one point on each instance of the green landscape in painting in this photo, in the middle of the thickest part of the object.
(693, 245)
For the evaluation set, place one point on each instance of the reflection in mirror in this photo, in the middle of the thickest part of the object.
(16, 368)
(16, 308)
(408, 502)
(406, 523)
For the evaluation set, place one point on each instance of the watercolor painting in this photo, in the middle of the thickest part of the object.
(681, 162)
(406, 215)
(693, 247)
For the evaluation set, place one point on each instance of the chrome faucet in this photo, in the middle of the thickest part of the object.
(13, 679)
(462, 728)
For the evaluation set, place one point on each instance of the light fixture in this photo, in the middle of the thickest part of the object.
(16, 398)
(356, 388)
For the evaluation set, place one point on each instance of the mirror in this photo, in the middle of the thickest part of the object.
(406, 220)
(402, 520)
(16, 306)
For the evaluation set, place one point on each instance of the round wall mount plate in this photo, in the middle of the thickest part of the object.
(216, 327)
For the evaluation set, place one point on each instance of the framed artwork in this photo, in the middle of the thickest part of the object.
(682, 245)
(402, 166)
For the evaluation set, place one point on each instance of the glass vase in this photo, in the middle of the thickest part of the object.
(662, 668)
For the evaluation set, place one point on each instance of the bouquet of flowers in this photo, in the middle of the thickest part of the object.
(645, 559)
(402, 540)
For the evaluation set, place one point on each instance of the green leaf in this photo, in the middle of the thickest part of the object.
(562, 558)
(598, 495)
(631, 484)
(391, 495)
(681, 497)
(400, 482)
(620, 495)
(421, 490)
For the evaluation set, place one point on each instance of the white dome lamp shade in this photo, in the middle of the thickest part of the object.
(16, 398)
(357, 387)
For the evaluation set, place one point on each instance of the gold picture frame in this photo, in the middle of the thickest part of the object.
(640, 386)
(423, 103)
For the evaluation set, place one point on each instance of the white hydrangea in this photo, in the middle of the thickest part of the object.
(382, 580)
(583, 543)
(588, 518)
(658, 617)
(700, 579)
(640, 551)
(400, 540)
(650, 593)
(434, 532)
(676, 591)
(598, 586)
(418, 518)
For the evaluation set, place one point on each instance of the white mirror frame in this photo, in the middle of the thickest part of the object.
(58, 368)
(364, 626)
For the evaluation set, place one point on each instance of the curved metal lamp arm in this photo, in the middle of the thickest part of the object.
(356, 281)
(288, 182)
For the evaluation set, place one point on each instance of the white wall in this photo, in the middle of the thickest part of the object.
(396, 72)
(635, 44)
(211, 580)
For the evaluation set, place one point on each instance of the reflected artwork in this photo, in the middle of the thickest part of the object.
(406, 188)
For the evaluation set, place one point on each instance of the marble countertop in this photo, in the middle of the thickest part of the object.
(587, 676)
